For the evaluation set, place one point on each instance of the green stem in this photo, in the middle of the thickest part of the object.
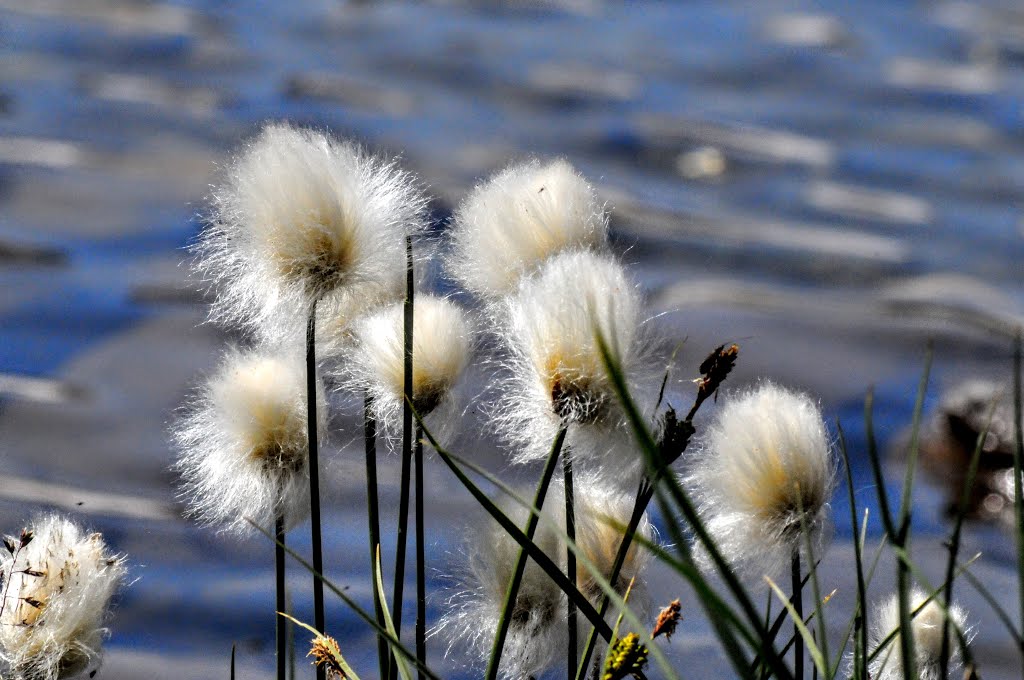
(508, 607)
(373, 518)
(319, 617)
(421, 559)
(798, 606)
(280, 601)
(570, 559)
(407, 437)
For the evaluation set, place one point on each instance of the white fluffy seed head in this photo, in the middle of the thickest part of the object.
(442, 345)
(555, 370)
(243, 445)
(927, 633)
(300, 216)
(537, 633)
(517, 219)
(766, 471)
(57, 590)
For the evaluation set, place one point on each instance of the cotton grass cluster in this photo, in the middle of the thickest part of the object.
(519, 218)
(926, 628)
(57, 589)
(765, 473)
(442, 346)
(300, 216)
(243, 443)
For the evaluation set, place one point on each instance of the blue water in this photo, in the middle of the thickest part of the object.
(877, 148)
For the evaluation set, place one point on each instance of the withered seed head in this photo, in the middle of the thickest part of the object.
(327, 655)
(667, 621)
(715, 368)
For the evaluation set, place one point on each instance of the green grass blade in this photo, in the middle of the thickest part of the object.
(859, 620)
(349, 673)
(812, 647)
(876, 465)
(517, 575)
(354, 606)
(954, 541)
(378, 583)
(686, 507)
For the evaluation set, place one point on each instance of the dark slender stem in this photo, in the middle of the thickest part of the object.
(1018, 464)
(407, 437)
(798, 606)
(281, 600)
(643, 499)
(570, 558)
(421, 558)
(512, 591)
(373, 517)
(319, 617)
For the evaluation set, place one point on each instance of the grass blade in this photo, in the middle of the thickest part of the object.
(517, 575)
(812, 648)
(378, 583)
(1018, 462)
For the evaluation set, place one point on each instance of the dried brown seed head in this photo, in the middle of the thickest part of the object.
(667, 621)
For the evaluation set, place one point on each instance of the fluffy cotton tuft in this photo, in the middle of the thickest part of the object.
(243, 444)
(517, 219)
(57, 587)
(442, 345)
(537, 636)
(766, 468)
(299, 216)
(555, 370)
(927, 631)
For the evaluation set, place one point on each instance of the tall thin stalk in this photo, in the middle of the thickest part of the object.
(407, 437)
(421, 559)
(1018, 461)
(373, 518)
(798, 606)
(319, 616)
(570, 558)
(280, 602)
(508, 607)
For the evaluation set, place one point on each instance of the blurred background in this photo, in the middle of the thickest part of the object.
(828, 184)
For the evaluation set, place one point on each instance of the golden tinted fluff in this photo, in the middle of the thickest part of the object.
(766, 469)
(442, 345)
(927, 632)
(243, 446)
(517, 219)
(299, 216)
(555, 371)
(57, 585)
(537, 633)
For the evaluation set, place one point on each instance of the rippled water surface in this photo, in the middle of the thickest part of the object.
(829, 184)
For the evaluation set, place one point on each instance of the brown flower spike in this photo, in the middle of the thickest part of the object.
(667, 621)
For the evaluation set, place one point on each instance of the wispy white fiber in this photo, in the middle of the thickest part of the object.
(442, 346)
(57, 589)
(765, 468)
(243, 446)
(927, 633)
(555, 372)
(298, 216)
(537, 635)
(517, 219)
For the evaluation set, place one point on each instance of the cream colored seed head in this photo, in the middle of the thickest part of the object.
(556, 373)
(243, 447)
(765, 473)
(299, 216)
(442, 346)
(517, 219)
(57, 589)
(927, 632)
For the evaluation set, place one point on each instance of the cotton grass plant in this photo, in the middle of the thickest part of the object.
(57, 583)
(311, 230)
